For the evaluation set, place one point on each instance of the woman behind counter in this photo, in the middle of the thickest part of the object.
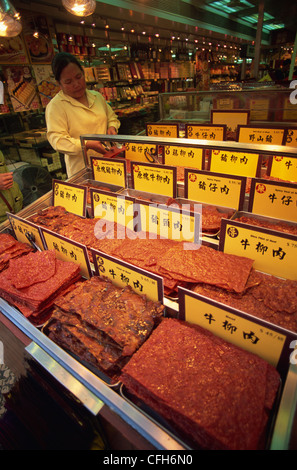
(76, 111)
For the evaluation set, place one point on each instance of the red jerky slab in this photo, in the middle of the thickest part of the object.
(212, 392)
(33, 268)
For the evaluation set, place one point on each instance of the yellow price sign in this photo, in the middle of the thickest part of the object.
(153, 178)
(232, 118)
(162, 130)
(189, 157)
(209, 188)
(251, 334)
(108, 170)
(169, 222)
(21, 227)
(260, 135)
(123, 274)
(272, 254)
(273, 199)
(68, 250)
(206, 132)
(140, 152)
(70, 196)
(284, 168)
(112, 207)
(235, 163)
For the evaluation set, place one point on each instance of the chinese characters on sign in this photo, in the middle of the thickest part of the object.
(21, 227)
(70, 196)
(117, 209)
(272, 254)
(232, 326)
(152, 178)
(284, 168)
(212, 133)
(162, 130)
(110, 171)
(273, 199)
(206, 187)
(183, 156)
(235, 163)
(259, 135)
(124, 274)
(140, 152)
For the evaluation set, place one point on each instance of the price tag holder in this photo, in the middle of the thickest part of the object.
(67, 250)
(153, 178)
(110, 171)
(162, 130)
(210, 132)
(235, 163)
(284, 168)
(140, 152)
(72, 197)
(123, 274)
(112, 207)
(209, 188)
(169, 222)
(183, 156)
(252, 334)
(273, 252)
(273, 199)
(260, 135)
(21, 227)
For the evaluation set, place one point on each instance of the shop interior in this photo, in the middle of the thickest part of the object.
(205, 94)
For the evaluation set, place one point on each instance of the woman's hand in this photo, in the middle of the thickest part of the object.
(112, 131)
(95, 145)
(6, 181)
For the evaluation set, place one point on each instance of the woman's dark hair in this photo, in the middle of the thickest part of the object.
(60, 61)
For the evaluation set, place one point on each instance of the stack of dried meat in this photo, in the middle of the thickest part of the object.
(212, 393)
(265, 296)
(10, 248)
(280, 226)
(31, 283)
(103, 324)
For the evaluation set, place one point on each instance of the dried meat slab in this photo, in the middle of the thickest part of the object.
(40, 295)
(268, 297)
(211, 392)
(10, 248)
(121, 314)
(206, 265)
(34, 268)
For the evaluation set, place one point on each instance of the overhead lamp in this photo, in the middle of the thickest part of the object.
(80, 7)
(10, 24)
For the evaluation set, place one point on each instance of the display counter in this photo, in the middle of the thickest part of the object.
(99, 398)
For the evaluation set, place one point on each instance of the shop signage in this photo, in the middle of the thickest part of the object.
(23, 229)
(235, 163)
(108, 170)
(247, 332)
(153, 178)
(284, 168)
(140, 152)
(291, 138)
(260, 135)
(273, 199)
(70, 196)
(273, 252)
(123, 274)
(67, 250)
(207, 132)
(211, 188)
(190, 157)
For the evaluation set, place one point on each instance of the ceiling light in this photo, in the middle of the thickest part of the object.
(10, 24)
(80, 7)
